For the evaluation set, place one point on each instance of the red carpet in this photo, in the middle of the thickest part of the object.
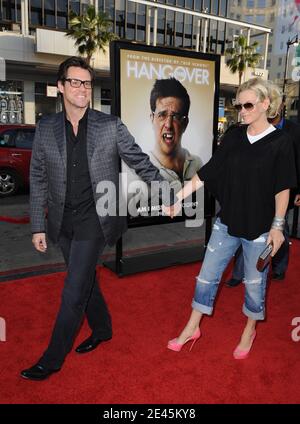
(135, 367)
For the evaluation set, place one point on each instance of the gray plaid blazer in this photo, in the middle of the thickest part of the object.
(107, 140)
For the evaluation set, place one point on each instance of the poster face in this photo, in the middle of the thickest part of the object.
(167, 101)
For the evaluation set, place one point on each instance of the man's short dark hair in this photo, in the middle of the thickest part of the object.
(170, 87)
(76, 61)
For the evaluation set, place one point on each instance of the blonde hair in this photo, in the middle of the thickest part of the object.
(264, 89)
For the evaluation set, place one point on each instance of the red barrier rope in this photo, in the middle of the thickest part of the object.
(16, 220)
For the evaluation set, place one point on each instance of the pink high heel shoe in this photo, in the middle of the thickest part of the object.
(174, 345)
(243, 353)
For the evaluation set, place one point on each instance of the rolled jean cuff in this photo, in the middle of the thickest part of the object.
(204, 309)
(257, 316)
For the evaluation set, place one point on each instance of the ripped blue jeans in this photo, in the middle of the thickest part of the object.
(220, 250)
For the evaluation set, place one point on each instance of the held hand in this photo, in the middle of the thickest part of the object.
(172, 210)
(297, 200)
(276, 238)
(39, 242)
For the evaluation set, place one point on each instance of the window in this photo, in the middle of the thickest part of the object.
(270, 48)
(161, 23)
(105, 96)
(75, 6)
(189, 4)
(260, 19)
(206, 5)
(249, 18)
(272, 17)
(278, 75)
(223, 8)
(294, 105)
(261, 3)
(141, 22)
(279, 61)
(110, 8)
(197, 5)
(281, 45)
(61, 14)
(43, 103)
(131, 17)
(213, 37)
(179, 30)
(49, 6)
(283, 29)
(11, 10)
(170, 27)
(36, 12)
(188, 29)
(24, 139)
(250, 4)
(11, 102)
(214, 7)
(120, 18)
(131, 12)
(101, 5)
(268, 63)
(6, 138)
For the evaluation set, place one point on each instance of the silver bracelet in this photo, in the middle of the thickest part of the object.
(278, 223)
(277, 228)
(278, 219)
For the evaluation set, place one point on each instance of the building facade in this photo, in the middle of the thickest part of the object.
(33, 43)
(283, 17)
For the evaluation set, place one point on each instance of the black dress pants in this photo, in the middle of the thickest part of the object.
(81, 295)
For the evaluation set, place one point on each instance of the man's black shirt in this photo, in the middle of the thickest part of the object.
(80, 219)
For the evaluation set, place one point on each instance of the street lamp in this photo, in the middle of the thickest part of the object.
(291, 42)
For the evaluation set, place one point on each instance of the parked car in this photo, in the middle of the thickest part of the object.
(15, 153)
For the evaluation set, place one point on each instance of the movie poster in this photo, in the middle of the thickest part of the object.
(167, 101)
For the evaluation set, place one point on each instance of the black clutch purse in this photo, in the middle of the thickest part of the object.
(264, 258)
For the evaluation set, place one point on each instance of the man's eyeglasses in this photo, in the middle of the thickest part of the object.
(247, 106)
(164, 115)
(76, 83)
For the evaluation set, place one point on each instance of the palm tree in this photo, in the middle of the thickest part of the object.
(91, 31)
(239, 57)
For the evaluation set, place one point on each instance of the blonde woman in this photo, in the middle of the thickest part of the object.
(250, 174)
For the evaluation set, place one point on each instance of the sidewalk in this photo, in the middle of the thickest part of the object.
(17, 252)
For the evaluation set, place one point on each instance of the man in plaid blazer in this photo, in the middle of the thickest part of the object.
(73, 151)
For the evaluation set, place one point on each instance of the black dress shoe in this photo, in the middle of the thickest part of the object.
(233, 282)
(90, 344)
(278, 276)
(37, 372)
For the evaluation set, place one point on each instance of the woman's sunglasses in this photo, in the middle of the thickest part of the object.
(247, 106)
